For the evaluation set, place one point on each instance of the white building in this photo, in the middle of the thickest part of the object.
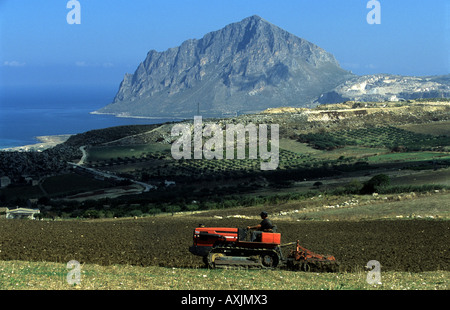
(21, 213)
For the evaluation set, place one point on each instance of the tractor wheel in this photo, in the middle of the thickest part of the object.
(269, 260)
(211, 259)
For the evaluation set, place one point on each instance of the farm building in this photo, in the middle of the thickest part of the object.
(21, 213)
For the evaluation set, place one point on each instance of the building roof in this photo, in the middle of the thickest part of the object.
(23, 211)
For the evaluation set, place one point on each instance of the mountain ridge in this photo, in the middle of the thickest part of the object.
(246, 66)
(250, 66)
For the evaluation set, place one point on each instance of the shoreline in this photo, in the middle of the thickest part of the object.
(124, 115)
(49, 141)
(46, 142)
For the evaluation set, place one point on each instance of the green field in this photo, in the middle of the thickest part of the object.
(409, 156)
(18, 275)
(298, 147)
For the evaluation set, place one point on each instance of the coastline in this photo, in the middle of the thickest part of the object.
(126, 115)
(49, 141)
(46, 142)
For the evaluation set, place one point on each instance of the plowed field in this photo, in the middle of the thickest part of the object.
(399, 245)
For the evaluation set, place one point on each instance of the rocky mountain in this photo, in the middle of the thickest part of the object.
(388, 87)
(245, 67)
(251, 66)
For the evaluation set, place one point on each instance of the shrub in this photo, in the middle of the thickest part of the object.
(136, 213)
(154, 211)
(172, 209)
(375, 183)
(192, 207)
(92, 214)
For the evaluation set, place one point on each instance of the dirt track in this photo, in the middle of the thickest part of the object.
(404, 245)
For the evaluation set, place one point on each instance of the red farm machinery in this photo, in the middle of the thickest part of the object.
(223, 247)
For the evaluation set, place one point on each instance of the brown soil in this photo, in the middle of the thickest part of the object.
(400, 245)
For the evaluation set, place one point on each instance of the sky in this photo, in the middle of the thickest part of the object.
(39, 47)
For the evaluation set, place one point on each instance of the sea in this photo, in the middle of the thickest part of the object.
(27, 112)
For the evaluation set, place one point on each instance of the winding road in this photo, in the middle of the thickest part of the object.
(83, 158)
(105, 174)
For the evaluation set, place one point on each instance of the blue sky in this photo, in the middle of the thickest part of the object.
(39, 47)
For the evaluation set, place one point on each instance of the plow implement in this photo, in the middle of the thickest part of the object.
(306, 260)
(228, 248)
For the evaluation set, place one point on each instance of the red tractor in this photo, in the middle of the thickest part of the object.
(223, 247)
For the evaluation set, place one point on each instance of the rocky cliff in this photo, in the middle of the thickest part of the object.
(245, 67)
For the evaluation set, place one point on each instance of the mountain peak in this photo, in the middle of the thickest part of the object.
(247, 66)
(255, 19)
